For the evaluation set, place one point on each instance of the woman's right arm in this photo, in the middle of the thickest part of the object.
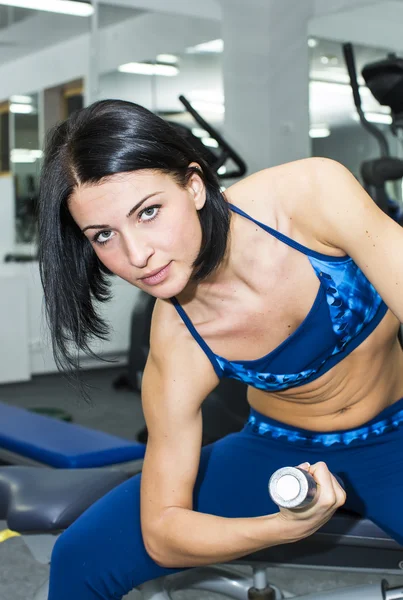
(177, 378)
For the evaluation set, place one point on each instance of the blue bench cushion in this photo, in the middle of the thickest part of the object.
(60, 444)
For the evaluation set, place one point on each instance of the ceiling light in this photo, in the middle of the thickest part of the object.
(21, 99)
(210, 142)
(199, 132)
(24, 155)
(329, 59)
(216, 46)
(22, 109)
(168, 59)
(312, 43)
(65, 7)
(319, 131)
(149, 69)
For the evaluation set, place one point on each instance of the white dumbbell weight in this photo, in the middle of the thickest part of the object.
(292, 487)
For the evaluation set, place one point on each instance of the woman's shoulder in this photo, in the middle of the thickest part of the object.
(165, 323)
(174, 349)
(168, 332)
(289, 188)
(293, 198)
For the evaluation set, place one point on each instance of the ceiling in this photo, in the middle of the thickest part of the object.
(23, 30)
(10, 15)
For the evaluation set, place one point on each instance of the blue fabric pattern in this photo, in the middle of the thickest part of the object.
(346, 310)
(353, 301)
(277, 431)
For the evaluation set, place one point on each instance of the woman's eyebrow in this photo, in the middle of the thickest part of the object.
(129, 214)
(133, 210)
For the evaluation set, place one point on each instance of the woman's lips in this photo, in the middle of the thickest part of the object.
(157, 276)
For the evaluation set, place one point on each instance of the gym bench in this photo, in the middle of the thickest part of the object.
(27, 438)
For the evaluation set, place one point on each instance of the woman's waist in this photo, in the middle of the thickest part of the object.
(388, 420)
(331, 405)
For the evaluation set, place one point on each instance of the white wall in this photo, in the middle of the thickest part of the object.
(371, 23)
(197, 74)
(117, 313)
(7, 215)
(14, 353)
(25, 348)
(125, 86)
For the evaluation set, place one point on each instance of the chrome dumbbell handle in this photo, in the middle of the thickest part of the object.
(292, 487)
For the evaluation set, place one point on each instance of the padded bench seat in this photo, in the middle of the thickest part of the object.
(33, 499)
(27, 437)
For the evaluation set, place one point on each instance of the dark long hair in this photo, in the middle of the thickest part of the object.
(108, 137)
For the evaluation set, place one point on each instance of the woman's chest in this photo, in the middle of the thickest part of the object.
(251, 324)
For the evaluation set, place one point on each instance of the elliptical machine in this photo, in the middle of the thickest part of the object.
(384, 79)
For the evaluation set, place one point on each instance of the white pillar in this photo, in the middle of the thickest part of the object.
(91, 81)
(266, 79)
(7, 214)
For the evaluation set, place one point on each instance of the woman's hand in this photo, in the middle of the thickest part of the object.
(329, 496)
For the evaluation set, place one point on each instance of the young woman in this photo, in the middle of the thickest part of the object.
(290, 281)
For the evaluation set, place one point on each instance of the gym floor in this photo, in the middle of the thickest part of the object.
(109, 411)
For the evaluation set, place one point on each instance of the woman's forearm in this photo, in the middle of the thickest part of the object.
(185, 538)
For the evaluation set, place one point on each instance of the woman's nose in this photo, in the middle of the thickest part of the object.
(138, 253)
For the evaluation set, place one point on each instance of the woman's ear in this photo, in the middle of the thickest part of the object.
(196, 186)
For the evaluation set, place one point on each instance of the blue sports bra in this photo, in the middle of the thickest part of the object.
(346, 310)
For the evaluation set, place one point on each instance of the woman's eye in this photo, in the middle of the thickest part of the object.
(103, 236)
(149, 213)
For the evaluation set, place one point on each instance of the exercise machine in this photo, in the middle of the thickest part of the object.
(384, 78)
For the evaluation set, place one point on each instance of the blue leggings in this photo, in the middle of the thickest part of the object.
(102, 555)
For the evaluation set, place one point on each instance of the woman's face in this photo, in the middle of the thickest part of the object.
(144, 227)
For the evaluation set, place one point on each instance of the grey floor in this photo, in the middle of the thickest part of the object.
(119, 413)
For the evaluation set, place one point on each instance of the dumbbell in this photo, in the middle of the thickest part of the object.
(292, 487)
